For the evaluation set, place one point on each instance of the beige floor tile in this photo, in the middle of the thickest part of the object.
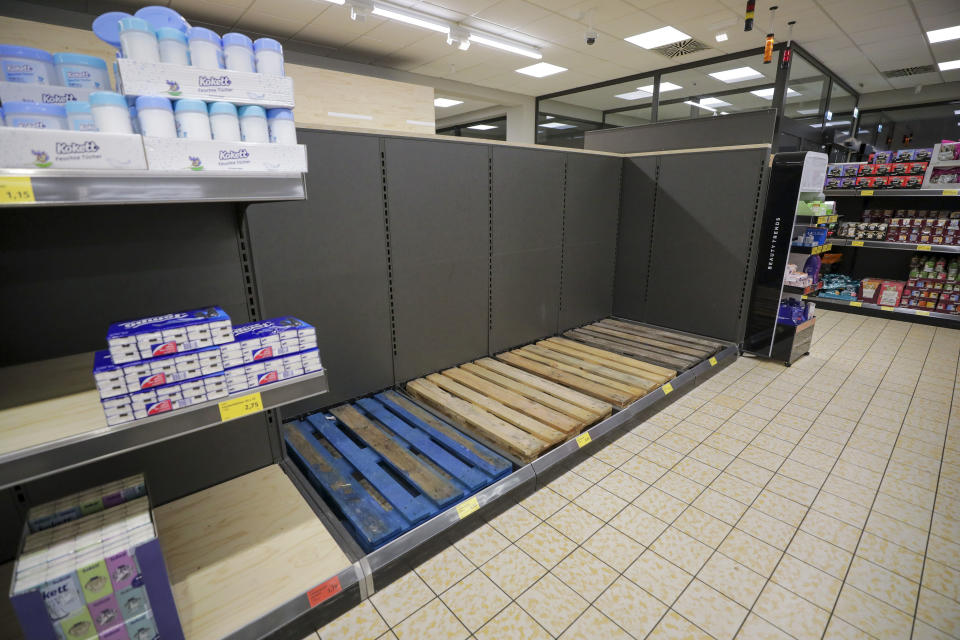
(733, 487)
(585, 573)
(711, 456)
(779, 507)
(553, 604)
(623, 485)
(632, 443)
(923, 631)
(939, 611)
(720, 506)
(732, 579)
(593, 624)
(883, 584)
(898, 532)
(360, 623)
(546, 545)
(401, 598)
(710, 610)
(902, 509)
(898, 559)
(475, 599)
(544, 502)
(575, 523)
(673, 626)
(942, 579)
(841, 509)
(791, 613)
(592, 469)
(839, 629)
(513, 570)
(445, 569)
(633, 609)
(513, 622)
(662, 505)
(697, 471)
(679, 487)
(613, 547)
(830, 529)
(852, 491)
(658, 576)
(481, 544)
(821, 554)
(638, 524)
(869, 614)
(600, 502)
(803, 473)
(681, 549)
(702, 526)
(766, 528)
(514, 522)
(613, 455)
(570, 485)
(756, 628)
(432, 622)
(643, 469)
(807, 581)
(751, 552)
(750, 471)
(945, 551)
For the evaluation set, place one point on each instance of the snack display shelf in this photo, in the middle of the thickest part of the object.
(903, 313)
(892, 193)
(808, 221)
(47, 437)
(49, 187)
(901, 246)
(802, 290)
(813, 251)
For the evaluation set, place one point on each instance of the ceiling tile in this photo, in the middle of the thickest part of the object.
(226, 13)
(675, 13)
(512, 14)
(297, 10)
(268, 23)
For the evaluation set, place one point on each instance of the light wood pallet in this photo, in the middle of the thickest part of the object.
(655, 346)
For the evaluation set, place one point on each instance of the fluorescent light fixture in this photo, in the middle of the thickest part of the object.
(829, 115)
(558, 125)
(459, 37)
(633, 95)
(482, 127)
(702, 106)
(548, 117)
(724, 113)
(722, 36)
(541, 69)
(942, 35)
(949, 66)
(351, 116)
(489, 41)
(736, 75)
(767, 94)
(956, 112)
(446, 102)
(835, 123)
(340, 2)
(421, 123)
(417, 20)
(808, 112)
(664, 87)
(657, 37)
(713, 102)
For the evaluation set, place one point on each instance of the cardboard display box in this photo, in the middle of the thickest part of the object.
(175, 154)
(62, 149)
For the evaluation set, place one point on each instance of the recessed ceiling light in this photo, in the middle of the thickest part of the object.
(721, 37)
(808, 112)
(948, 66)
(736, 75)
(863, 130)
(657, 37)
(767, 94)
(558, 125)
(942, 35)
(713, 102)
(633, 95)
(548, 117)
(482, 127)
(664, 87)
(541, 70)
(446, 102)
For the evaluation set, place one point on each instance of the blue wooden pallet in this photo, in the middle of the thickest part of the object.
(386, 465)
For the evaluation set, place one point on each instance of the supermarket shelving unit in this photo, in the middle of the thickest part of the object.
(920, 316)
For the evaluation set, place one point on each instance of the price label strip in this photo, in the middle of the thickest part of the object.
(856, 243)
(324, 591)
(242, 406)
(922, 313)
(867, 192)
(924, 247)
(667, 389)
(713, 362)
(16, 190)
(467, 507)
(951, 192)
(583, 440)
(856, 304)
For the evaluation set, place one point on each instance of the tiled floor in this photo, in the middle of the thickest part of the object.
(817, 501)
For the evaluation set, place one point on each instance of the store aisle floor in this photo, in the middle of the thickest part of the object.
(817, 501)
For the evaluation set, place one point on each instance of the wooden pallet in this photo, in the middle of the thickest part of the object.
(387, 465)
(655, 346)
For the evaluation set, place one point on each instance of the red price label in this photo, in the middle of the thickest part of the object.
(324, 591)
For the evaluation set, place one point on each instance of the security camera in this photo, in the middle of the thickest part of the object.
(590, 37)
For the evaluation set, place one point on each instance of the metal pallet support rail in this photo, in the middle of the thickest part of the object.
(22, 466)
(892, 193)
(898, 246)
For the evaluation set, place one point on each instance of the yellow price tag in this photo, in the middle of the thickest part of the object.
(803, 297)
(583, 440)
(867, 192)
(467, 507)
(16, 189)
(882, 308)
(667, 388)
(923, 247)
(242, 406)
(856, 243)
(856, 304)
(713, 362)
(923, 313)
(950, 192)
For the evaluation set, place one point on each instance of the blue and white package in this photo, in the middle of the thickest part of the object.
(145, 338)
(268, 339)
(113, 379)
(262, 372)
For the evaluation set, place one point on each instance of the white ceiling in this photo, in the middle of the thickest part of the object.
(858, 39)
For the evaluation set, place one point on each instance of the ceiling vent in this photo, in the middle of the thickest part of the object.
(909, 71)
(682, 48)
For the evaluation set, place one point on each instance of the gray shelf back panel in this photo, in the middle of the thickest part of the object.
(591, 214)
(754, 127)
(73, 271)
(701, 254)
(324, 260)
(527, 196)
(638, 199)
(438, 211)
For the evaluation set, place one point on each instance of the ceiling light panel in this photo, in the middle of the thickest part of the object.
(767, 94)
(697, 104)
(721, 37)
(558, 125)
(949, 66)
(413, 19)
(482, 127)
(541, 70)
(739, 74)
(657, 37)
(942, 35)
(504, 45)
(713, 102)
(664, 87)
(633, 95)
(446, 102)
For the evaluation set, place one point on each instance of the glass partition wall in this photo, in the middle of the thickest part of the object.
(817, 109)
